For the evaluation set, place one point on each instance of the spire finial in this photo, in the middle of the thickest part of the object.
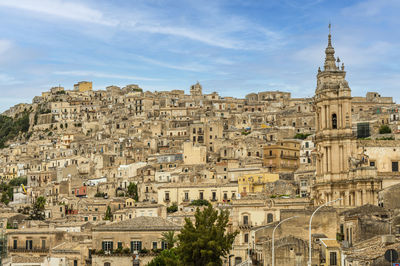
(330, 61)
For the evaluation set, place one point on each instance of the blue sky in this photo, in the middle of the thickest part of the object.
(230, 46)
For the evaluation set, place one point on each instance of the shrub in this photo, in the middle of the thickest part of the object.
(200, 202)
(301, 136)
(172, 208)
(385, 129)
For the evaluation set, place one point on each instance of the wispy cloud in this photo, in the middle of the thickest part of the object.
(191, 67)
(62, 9)
(91, 74)
(8, 80)
(221, 34)
(5, 45)
(371, 8)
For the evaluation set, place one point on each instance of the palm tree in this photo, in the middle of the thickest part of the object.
(169, 238)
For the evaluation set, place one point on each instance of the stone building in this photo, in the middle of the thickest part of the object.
(339, 173)
(283, 156)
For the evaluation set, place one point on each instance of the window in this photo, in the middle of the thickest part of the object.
(75, 262)
(270, 153)
(107, 264)
(94, 218)
(164, 245)
(136, 246)
(245, 219)
(167, 196)
(270, 218)
(86, 219)
(43, 243)
(214, 195)
(371, 163)
(307, 145)
(225, 196)
(201, 195)
(303, 183)
(107, 245)
(246, 238)
(186, 195)
(334, 121)
(395, 166)
(15, 244)
(210, 129)
(154, 245)
(29, 244)
(119, 245)
(332, 258)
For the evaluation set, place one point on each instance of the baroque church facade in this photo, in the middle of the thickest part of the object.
(342, 168)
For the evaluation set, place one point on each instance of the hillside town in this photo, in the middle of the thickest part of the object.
(95, 177)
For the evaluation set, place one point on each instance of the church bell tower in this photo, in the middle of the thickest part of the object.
(334, 138)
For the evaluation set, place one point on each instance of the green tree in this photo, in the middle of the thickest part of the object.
(200, 202)
(133, 191)
(4, 198)
(206, 241)
(38, 209)
(172, 208)
(301, 136)
(108, 215)
(167, 257)
(385, 129)
(169, 238)
(12, 127)
(18, 181)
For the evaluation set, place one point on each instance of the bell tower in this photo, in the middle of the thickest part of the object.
(334, 140)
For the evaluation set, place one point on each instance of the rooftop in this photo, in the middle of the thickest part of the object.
(143, 223)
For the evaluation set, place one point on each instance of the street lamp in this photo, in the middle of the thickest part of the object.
(273, 238)
(309, 228)
(248, 241)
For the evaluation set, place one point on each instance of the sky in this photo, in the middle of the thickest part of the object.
(233, 47)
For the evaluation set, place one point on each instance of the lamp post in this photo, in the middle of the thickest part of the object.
(309, 228)
(273, 238)
(248, 241)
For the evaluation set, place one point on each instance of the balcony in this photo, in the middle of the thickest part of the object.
(247, 225)
(289, 166)
(289, 157)
(24, 250)
(270, 156)
(185, 200)
(167, 199)
(213, 199)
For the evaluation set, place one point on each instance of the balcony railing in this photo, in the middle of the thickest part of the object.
(289, 157)
(24, 250)
(167, 200)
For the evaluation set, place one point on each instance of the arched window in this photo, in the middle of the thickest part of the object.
(270, 218)
(107, 264)
(334, 121)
